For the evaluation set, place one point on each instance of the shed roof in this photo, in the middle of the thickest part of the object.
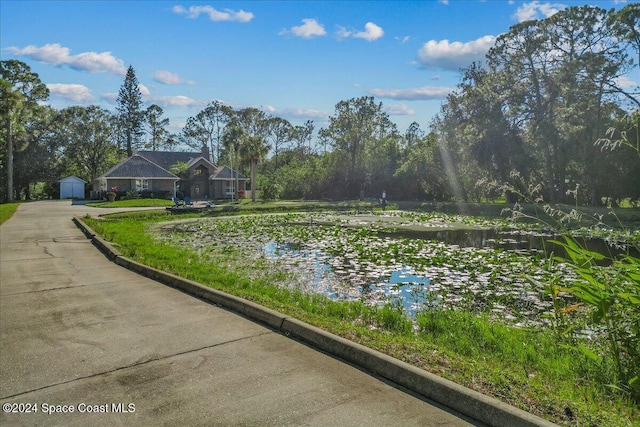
(72, 178)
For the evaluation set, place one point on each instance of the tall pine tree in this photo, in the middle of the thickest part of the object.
(130, 113)
(20, 92)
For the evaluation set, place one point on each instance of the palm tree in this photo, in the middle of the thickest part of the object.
(253, 149)
(232, 139)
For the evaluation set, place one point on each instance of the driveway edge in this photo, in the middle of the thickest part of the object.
(459, 398)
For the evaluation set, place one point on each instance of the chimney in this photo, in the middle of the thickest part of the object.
(204, 152)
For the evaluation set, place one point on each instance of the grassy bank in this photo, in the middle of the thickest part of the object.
(7, 210)
(131, 203)
(530, 368)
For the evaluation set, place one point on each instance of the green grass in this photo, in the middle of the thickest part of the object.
(131, 203)
(7, 210)
(528, 368)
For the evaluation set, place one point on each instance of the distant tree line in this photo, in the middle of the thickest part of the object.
(529, 115)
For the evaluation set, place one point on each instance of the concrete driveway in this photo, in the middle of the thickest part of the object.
(97, 344)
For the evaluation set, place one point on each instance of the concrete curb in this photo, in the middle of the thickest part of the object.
(462, 399)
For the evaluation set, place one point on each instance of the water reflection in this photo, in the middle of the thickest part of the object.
(406, 288)
(522, 242)
(402, 287)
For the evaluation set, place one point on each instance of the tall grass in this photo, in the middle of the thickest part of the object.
(611, 297)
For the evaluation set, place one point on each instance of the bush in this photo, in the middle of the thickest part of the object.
(270, 190)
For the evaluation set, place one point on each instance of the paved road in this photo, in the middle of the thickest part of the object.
(80, 331)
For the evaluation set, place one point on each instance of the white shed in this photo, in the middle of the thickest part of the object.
(72, 187)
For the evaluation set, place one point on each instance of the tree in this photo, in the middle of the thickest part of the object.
(251, 145)
(301, 135)
(21, 90)
(207, 127)
(130, 113)
(90, 146)
(557, 78)
(626, 25)
(232, 139)
(156, 126)
(358, 123)
(253, 149)
(422, 172)
(280, 132)
(37, 159)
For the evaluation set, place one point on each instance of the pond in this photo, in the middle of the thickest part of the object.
(321, 273)
(378, 259)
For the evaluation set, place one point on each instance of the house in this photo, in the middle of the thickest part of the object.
(72, 187)
(170, 174)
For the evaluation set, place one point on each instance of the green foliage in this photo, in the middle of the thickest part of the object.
(538, 105)
(180, 169)
(21, 91)
(7, 210)
(393, 318)
(131, 116)
(157, 128)
(356, 131)
(206, 129)
(612, 296)
(132, 202)
(87, 133)
(269, 189)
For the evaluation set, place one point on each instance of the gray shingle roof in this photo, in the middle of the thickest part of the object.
(137, 166)
(223, 172)
(166, 159)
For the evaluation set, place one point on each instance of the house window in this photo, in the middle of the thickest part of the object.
(142, 184)
(230, 189)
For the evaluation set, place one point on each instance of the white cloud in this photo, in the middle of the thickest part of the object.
(537, 10)
(176, 101)
(143, 90)
(371, 32)
(342, 32)
(624, 82)
(303, 113)
(215, 15)
(443, 1)
(110, 96)
(445, 55)
(399, 110)
(403, 40)
(179, 101)
(55, 54)
(413, 94)
(73, 92)
(168, 78)
(309, 28)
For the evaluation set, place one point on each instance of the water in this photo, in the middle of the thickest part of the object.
(523, 242)
(408, 289)
(319, 275)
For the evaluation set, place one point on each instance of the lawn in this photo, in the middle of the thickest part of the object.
(7, 210)
(132, 203)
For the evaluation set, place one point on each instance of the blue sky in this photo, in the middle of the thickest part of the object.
(293, 59)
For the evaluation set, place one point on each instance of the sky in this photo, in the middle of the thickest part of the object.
(292, 59)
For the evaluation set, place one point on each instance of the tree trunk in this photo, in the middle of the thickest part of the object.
(237, 189)
(10, 197)
(254, 185)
